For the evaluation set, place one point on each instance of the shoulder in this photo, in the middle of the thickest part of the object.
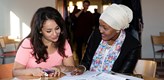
(67, 45)
(26, 42)
(131, 42)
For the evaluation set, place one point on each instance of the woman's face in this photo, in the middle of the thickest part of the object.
(107, 32)
(50, 31)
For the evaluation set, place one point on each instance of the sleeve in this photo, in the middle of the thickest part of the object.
(130, 63)
(68, 50)
(23, 52)
(92, 45)
(132, 55)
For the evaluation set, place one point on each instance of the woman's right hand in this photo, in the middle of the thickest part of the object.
(78, 70)
(37, 72)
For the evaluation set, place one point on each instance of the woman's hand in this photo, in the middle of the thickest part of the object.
(53, 72)
(37, 72)
(78, 70)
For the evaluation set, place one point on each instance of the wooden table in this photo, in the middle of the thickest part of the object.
(6, 74)
(31, 78)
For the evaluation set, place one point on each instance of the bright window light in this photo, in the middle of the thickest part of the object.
(70, 7)
(14, 26)
(92, 7)
(105, 6)
(79, 4)
(25, 30)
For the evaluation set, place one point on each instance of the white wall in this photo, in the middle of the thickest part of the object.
(153, 17)
(24, 9)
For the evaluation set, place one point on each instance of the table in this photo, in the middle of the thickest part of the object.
(53, 78)
(31, 78)
(50, 78)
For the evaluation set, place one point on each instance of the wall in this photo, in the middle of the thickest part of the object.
(153, 17)
(24, 9)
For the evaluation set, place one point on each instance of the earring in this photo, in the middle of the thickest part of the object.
(117, 31)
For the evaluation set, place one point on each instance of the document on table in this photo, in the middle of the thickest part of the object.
(89, 75)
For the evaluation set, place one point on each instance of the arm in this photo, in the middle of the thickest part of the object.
(130, 62)
(78, 13)
(68, 64)
(129, 55)
(21, 59)
(19, 70)
(92, 44)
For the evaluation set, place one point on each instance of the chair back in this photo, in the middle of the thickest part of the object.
(146, 68)
(157, 40)
(5, 53)
(157, 44)
(2, 45)
(161, 33)
(6, 70)
(2, 42)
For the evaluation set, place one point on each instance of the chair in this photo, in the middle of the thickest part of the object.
(6, 70)
(161, 33)
(146, 68)
(5, 54)
(157, 44)
(7, 40)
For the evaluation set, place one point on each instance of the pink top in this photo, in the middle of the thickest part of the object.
(24, 56)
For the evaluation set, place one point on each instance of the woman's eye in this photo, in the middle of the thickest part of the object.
(105, 29)
(48, 31)
(57, 28)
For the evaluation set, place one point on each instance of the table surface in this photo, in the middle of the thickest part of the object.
(6, 74)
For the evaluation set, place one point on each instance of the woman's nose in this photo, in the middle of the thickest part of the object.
(100, 29)
(55, 33)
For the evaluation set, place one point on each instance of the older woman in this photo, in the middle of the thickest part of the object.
(110, 48)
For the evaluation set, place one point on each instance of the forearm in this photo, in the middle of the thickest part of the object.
(22, 72)
(77, 14)
(64, 68)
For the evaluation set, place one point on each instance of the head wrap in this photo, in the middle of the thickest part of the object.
(117, 16)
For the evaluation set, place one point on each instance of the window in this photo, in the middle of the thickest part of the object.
(14, 26)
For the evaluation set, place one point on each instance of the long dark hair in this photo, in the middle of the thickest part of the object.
(39, 49)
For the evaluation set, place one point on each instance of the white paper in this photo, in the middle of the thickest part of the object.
(129, 77)
(85, 76)
(88, 75)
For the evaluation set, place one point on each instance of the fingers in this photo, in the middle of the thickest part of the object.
(57, 71)
(77, 71)
(54, 72)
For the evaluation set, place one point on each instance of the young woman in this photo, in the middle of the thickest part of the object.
(46, 48)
